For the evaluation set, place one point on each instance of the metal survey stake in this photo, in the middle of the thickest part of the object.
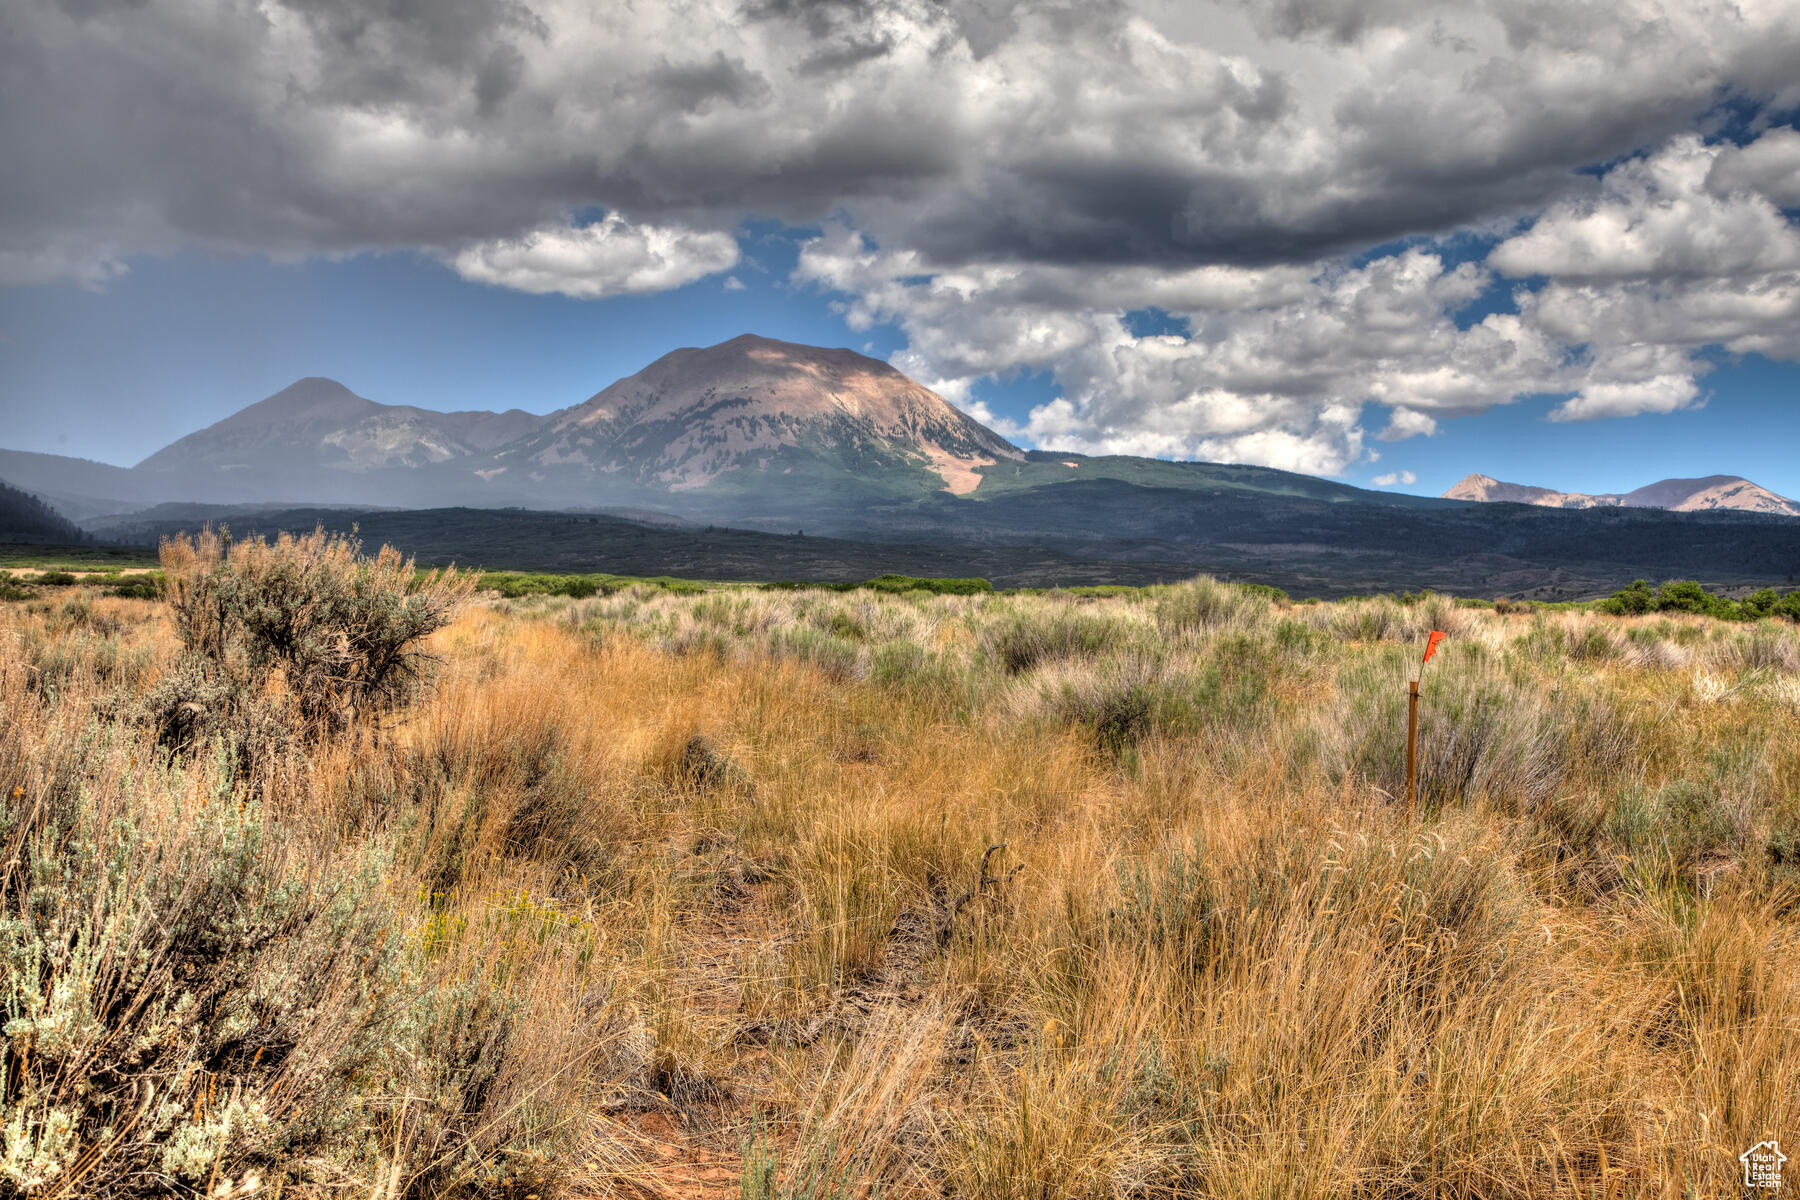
(1412, 724)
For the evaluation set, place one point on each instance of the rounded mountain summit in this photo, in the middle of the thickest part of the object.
(719, 417)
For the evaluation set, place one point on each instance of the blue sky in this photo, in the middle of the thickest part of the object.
(178, 343)
(1399, 243)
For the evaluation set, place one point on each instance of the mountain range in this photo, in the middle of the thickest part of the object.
(1710, 493)
(774, 437)
(753, 431)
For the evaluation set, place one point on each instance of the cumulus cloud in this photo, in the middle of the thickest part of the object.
(610, 257)
(1277, 368)
(1656, 217)
(1643, 271)
(1407, 422)
(1659, 394)
(1003, 181)
(1769, 166)
(1087, 134)
(1677, 251)
(1395, 478)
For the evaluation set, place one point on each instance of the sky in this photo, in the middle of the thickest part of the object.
(1393, 242)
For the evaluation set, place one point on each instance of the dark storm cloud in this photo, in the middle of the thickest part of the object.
(498, 78)
(844, 55)
(1052, 132)
(695, 87)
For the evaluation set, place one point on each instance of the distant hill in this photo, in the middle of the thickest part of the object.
(25, 518)
(516, 539)
(1707, 494)
(318, 439)
(79, 488)
(1100, 531)
(753, 431)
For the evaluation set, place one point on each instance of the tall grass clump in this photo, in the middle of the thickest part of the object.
(1484, 734)
(1206, 603)
(1034, 638)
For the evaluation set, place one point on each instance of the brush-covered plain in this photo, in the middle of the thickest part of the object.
(808, 893)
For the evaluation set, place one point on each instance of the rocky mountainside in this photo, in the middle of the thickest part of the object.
(1708, 494)
(319, 425)
(754, 414)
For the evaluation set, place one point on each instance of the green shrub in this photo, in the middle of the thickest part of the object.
(1204, 602)
(1480, 734)
(136, 587)
(167, 970)
(1120, 702)
(1119, 709)
(1783, 845)
(903, 663)
(937, 587)
(833, 655)
(340, 630)
(1682, 823)
(1028, 641)
(846, 625)
(54, 579)
(1689, 596)
(513, 585)
(1594, 644)
(1760, 604)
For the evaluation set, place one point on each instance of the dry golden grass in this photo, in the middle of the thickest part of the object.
(667, 895)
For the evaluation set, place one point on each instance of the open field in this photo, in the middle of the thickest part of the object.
(661, 894)
(17, 556)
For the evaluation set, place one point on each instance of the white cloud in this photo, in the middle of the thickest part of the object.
(1278, 375)
(1655, 217)
(1677, 251)
(61, 259)
(607, 258)
(1653, 266)
(733, 284)
(1769, 166)
(1659, 394)
(1401, 478)
(1405, 422)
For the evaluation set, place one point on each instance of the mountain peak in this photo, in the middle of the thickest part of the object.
(759, 404)
(317, 425)
(1708, 493)
(313, 398)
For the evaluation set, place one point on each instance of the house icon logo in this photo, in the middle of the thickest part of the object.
(1762, 1164)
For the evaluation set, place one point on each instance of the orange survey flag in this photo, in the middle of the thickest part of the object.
(1431, 645)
